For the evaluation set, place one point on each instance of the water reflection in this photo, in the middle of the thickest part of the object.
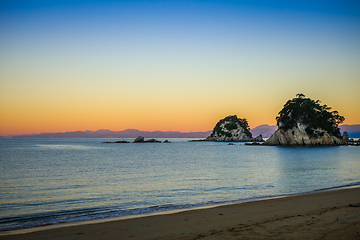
(53, 177)
(309, 168)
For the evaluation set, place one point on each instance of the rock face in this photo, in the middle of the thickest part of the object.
(297, 136)
(117, 142)
(345, 137)
(303, 121)
(141, 139)
(231, 129)
(153, 140)
(258, 138)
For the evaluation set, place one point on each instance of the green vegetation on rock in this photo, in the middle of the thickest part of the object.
(231, 126)
(311, 113)
(233, 121)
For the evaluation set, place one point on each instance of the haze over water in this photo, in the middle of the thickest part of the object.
(50, 181)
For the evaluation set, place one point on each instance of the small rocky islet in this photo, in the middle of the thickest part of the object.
(232, 129)
(141, 139)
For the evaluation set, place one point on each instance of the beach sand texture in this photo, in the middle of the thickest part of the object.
(331, 214)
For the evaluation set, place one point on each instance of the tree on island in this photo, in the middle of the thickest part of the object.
(232, 129)
(233, 122)
(310, 113)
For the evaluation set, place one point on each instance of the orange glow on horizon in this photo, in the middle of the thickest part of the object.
(185, 114)
(40, 121)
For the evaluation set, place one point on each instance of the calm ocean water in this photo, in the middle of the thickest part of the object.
(51, 181)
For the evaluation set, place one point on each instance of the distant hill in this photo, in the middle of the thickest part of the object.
(128, 133)
(352, 130)
(265, 130)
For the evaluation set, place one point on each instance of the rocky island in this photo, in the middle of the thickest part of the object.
(303, 121)
(141, 139)
(232, 129)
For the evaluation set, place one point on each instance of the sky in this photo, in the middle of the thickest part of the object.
(172, 65)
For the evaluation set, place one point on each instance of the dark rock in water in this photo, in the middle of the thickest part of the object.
(167, 141)
(153, 140)
(259, 139)
(345, 137)
(139, 139)
(199, 140)
(117, 142)
(253, 143)
(230, 144)
(353, 144)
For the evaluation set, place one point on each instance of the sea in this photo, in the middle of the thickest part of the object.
(55, 181)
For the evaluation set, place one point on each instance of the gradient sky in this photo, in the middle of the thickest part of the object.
(172, 65)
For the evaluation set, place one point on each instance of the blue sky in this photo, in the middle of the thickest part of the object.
(69, 62)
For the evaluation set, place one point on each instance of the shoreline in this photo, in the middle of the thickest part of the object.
(164, 212)
(328, 209)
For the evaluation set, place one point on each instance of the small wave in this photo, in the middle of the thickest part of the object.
(79, 215)
(354, 184)
(66, 147)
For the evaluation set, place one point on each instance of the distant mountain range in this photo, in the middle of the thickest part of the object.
(265, 130)
(352, 130)
(128, 133)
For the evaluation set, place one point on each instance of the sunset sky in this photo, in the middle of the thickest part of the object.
(172, 65)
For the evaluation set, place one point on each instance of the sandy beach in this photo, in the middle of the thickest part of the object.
(331, 214)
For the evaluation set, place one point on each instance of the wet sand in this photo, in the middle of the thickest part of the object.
(331, 214)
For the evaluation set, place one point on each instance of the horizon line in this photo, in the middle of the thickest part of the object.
(11, 135)
(21, 134)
